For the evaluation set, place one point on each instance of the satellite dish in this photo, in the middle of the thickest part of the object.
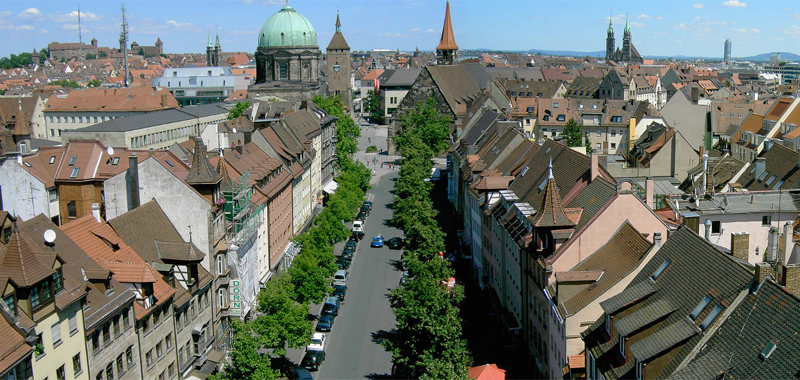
(50, 236)
(234, 130)
(110, 151)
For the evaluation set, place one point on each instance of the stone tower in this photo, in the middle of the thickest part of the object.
(217, 51)
(447, 51)
(35, 58)
(610, 42)
(338, 70)
(626, 42)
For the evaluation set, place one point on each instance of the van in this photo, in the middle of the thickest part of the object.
(340, 276)
(331, 306)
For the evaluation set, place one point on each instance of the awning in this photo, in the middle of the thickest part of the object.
(330, 187)
(214, 356)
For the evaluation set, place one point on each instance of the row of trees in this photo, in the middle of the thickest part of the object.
(283, 306)
(427, 342)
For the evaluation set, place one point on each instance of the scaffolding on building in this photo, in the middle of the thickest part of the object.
(242, 214)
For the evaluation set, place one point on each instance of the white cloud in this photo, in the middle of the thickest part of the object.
(648, 17)
(73, 17)
(755, 31)
(740, 30)
(794, 29)
(414, 30)
(699, 6)
(716, 23)
(734, 4)
(637, 25)
(697, 18)
(30, 13)
(5, 13)
(25, 27)
(179, 25)
(429, 31)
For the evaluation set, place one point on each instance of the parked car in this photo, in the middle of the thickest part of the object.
(377, 242)
(317, 342)
(347, 254)
(331, 306)
(300, 373)
(358, 226)
(350, 244)
(395, 243)
(325, 322)
(340, 276)
(365, 209)
(368, 204)
(357, 235)
(339, 291)
(362, 216)
(343, 263)
(312, 360)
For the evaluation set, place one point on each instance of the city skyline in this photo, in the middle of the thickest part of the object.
(688, 28)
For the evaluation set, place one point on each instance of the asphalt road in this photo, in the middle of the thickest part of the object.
(350, 350)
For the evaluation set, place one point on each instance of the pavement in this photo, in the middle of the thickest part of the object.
(377, 135)
(352, 351)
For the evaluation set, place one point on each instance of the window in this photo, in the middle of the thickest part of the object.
(148, 357)
(171, 369)
(168, 341)
(622, 343)
(119, 364)
(616, 119)
(125, 320)
(711, 316)
(100, 375)
(159, 350)
(660, 269)
(35, 297)
(74, 173)
(95, 341)
(555, 105)
(769, 181)
(10, 303)
(72, 211)
(613, 145)
(107, 333)
(146, 325)
(599, 146)
(156, 317)
(129, 356)
(560, 118)
(598, 133)
(53, 195)
(180, 354)
(73, 324)
(716, 227)
(110, 371)
(608, 324)
(221, 298)
(76, 365)
(546, 118)
(72, 160)
(766, 220)
(60, 373)
(699, 309)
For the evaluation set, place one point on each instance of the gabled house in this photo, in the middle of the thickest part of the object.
(680, 296)
(149, 232)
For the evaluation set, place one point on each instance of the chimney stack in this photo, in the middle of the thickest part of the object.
(657, 238)
(132, 180)
(695, 94)
(96, 212)
(767, 144)
(740, 245)
(761, 165)
(594, 169)
(648, 192)
(708, 229)
(164, 102)
(762, 271)
(788, 243)
(792, 278)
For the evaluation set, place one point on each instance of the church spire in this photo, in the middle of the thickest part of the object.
(209, 39)
(610, 27)
(627, 24)
(217, 43)
(448, 40)
(338, 23)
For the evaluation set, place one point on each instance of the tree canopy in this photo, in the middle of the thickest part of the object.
(573, 134)
(238, 110)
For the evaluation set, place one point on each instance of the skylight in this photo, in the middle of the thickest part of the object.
(660, 269)
(72, 160)
(711, 316)
(169, 163)
(699, 309)
(768, 350)
(27, 163)
(74, 172)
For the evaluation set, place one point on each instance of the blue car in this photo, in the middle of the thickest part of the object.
(377, 242)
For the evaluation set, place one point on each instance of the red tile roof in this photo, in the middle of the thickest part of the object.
(487, 372)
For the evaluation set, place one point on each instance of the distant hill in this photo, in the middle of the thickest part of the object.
(601, 54)
(765, 57)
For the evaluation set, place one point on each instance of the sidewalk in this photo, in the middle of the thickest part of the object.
(378, 136)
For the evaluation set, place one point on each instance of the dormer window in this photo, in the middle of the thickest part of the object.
(608, 324)
(72, 160)
(12, 305)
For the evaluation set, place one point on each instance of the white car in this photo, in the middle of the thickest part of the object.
(358, 226)
(317, 342)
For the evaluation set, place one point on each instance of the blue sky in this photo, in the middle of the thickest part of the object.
(692, 28)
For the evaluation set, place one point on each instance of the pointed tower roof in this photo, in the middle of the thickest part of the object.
(610, 27)
(22, 126)
(19, 264)
(201, 172)
(158, 41)
(448, 40)
(216, 44)
(222, 168)
(338, 42)
(551, 212)
(627, 23)
(209, 39)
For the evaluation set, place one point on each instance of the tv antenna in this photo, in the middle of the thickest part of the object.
(123, 40)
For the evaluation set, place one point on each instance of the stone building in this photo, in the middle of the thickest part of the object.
(287, 58)
(69, 50)
(148, 51)
(338, 67)
(447, 50)
(628, 52)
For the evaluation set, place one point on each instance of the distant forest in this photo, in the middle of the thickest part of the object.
(21, 60)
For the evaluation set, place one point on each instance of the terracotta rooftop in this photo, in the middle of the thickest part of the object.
(19, 263)
(140, 99)
(551, 212)
(578, 276)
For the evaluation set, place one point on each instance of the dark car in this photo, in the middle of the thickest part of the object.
(350, 244)
(347, 253)
(343, 263)
(300, 373)
(368, 204)
(312, 360)
(362, 216)
(339, 291)
(395, 243)
(365, 209)
(325, 322)
(357, 235)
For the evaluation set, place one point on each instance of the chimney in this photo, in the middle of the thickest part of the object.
(132, 180)
(239, 149)
(657, 238)
(792, 278)
(648, 192)
(594, 169)
(773, 244)
(677, 209)
(96, 212)
(761, 165)
(151, 153)
(762, 271)
(788, 242)
(164, 100)
(695, 95)
(767, 144)
(740, 245)
(708, 229)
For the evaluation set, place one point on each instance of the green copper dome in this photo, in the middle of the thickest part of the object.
(287, 28)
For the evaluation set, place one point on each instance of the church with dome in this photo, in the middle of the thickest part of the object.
(287, 59)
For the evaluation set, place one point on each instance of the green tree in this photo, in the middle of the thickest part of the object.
(44, 53)
(372, 106)
(94, 83)
(426, 124)
(573, 134)
(90, 56)
(102, 55)
(246, 362)
(141, 51)
(282, 320)
(238, 110)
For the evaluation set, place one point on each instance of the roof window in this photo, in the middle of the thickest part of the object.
(26, 163)
(169, 163)
(763, 175)
(74, 173)
(711, 317)
(115, 161)
(660, 269)
(52, 159)
(72, 160)
(768, 350)
(700, 307)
